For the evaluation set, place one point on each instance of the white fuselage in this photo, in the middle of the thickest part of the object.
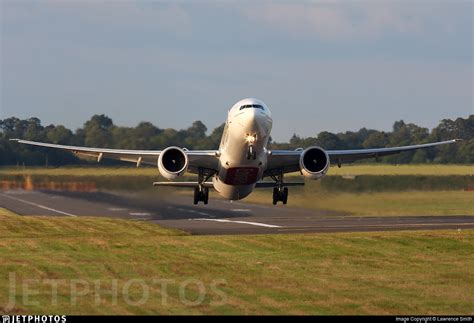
(243, 154)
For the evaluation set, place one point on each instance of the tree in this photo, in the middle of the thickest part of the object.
(194, 135)
(34, 130)
(328, 140)
(376, 140)
(97, 131)
(100, 131)
(58, 135)
(295, 142)
(197, 130)
(216, 136)
(403, 135)
(143, 134)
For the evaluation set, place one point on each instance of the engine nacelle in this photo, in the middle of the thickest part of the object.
(173, 162)
(314, 162)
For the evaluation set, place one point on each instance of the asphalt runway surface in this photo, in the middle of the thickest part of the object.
(218, 217)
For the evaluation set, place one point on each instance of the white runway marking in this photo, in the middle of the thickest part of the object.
(190, 211)
(117, 209)
(381, 226)
(37, 205)
(139, 214)
(241, 222)
(240, 210)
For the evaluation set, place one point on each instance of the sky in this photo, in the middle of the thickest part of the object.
(319, 66)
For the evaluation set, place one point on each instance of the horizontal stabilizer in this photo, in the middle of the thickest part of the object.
(183, 184)
(210, 185)
(273, 184)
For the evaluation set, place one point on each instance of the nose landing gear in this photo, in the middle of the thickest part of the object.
(251, 140)
(251, 153)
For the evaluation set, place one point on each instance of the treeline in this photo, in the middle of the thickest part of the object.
(100, 131)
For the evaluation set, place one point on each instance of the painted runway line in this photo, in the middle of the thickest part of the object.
(241, 222)
(37, 205)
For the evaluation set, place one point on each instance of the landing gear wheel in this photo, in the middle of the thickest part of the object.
(196, 195)
(205, 193)
(251, 153)
(284, 197)
(201, 195)
(275, 195)
(280, 194)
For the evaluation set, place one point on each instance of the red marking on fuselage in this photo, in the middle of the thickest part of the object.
(241, 176)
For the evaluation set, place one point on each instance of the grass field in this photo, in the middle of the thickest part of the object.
(390, 200)
(81, 171)
(380, 204)
(426, 169)
(152, 270)
(377, 169)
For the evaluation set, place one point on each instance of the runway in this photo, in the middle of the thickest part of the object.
(219, 217)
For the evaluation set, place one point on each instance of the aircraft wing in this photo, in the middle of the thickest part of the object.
(197, 158)
(344, 156)
(288, 160)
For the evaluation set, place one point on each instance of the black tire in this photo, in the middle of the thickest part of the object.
(196, 195)
(275, 195)
(285, 195)
(205, 193)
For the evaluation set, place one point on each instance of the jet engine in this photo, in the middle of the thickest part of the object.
(314, 162)
(173, 162)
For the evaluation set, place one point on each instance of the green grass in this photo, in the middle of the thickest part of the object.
(380, 204)
(420, 272)
(81, 171)
(425, 169)
(403, 200)
(378, 169)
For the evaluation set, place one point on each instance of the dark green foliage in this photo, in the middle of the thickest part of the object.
(100, 131)
(402, 134)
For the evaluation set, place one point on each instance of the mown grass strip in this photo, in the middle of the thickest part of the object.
(407, 203)
(346, 170)
(429, 272)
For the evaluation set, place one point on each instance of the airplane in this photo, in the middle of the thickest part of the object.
(242, 160)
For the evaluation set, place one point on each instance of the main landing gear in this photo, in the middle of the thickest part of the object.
(201, 193)
(280, 192)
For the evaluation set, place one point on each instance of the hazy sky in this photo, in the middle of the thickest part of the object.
(335, 66)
